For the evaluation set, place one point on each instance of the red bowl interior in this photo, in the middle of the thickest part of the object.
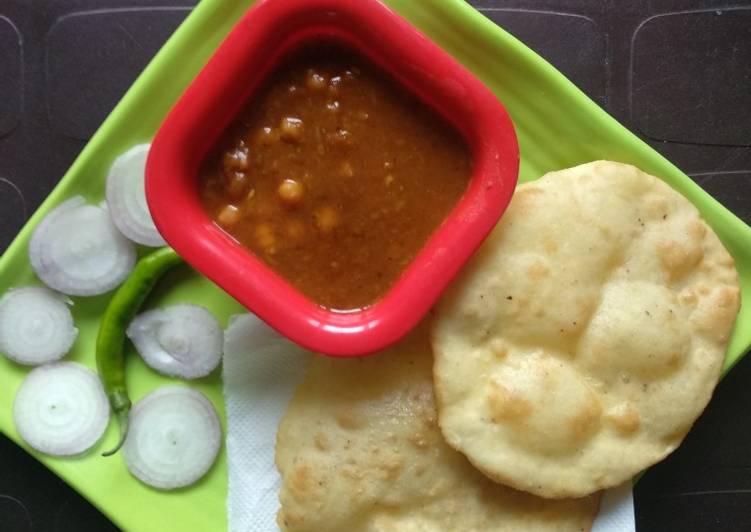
(257, 43)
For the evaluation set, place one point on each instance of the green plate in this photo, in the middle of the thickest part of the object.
(558, 126)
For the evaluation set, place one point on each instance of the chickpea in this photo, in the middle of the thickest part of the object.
(266, 136)
(237, 182)
(294, 229)
(229, 215)
(341, 137)
(326, 218)
(265, 238)
(236, 159)
(346, 170)
(291, 192)
(291, 129)
(315, 81)
(248, 201)
(335, 84)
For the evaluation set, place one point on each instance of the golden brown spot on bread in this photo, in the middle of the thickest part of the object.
(430, 420)
(506, 404)
(420, 469)
(657, 206)
(727, 261)
(526, 200)
(585, 307)
(624, 417)
(687, 298)
(715, 313)
(549, 244)
(498, 348)
(391, 467)
(679, 258)
(321, 441)
(351, 473)
(300, 482)
(675, 359)
(418, 440)
(586, 419)
(538, 270)
(349, 419)
(697, 229)
(289, 520)
(676, 435)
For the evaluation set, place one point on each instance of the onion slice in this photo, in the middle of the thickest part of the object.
(61, 409)
(126, 197)
(36, 326)
(77, 250)
(174, 437)
(181, 341)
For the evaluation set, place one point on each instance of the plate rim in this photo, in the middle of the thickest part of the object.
(462, 14)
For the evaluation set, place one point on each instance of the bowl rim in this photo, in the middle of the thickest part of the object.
(215, 96)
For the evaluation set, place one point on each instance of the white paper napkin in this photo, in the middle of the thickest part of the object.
(257, 388)
(616, 510)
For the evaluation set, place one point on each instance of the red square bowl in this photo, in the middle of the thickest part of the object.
(255, 46)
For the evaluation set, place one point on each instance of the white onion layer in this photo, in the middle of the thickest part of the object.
(77, 250)
(182, 340)
(36, 325)
(173, 439)
(61, 409)
(126, 197)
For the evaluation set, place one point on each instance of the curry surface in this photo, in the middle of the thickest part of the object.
(335, 176)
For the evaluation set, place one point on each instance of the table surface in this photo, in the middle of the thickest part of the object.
(676, 72)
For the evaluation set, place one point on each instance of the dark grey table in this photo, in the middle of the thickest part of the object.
(678, 73)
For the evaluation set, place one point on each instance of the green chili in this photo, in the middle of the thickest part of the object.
(110, 341)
